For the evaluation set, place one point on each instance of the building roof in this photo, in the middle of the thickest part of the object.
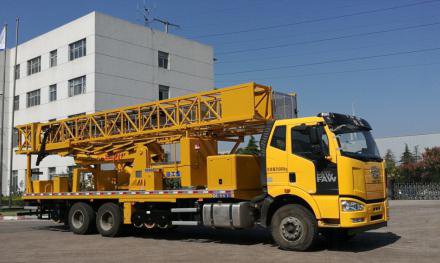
(397, 144)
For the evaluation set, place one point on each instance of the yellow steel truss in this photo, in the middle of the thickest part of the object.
(223, 113)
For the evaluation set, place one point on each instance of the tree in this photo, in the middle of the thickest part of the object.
(407, 156)
(251, 147)
(390, 165)
(408, 166)
(431, 164)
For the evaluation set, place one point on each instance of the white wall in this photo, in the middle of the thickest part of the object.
(120, 67)
(127, 69)
(58, 39)
(397, 144)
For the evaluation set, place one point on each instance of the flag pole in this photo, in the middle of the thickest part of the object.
(11, 143)
(3, 115)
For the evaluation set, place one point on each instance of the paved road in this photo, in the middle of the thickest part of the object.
(413, 235)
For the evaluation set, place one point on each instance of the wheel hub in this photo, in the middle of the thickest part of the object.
(78, 219)
(291, 228)
(107, 221)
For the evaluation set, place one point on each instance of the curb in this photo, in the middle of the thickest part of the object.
(17, 218)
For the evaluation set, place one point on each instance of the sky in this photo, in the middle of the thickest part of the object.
(377, 58)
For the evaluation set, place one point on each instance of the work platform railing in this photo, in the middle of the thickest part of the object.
(222, 113)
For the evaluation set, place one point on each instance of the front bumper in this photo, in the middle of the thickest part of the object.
(373, 214)
(361, 229)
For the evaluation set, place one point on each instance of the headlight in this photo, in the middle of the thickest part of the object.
(350, 206)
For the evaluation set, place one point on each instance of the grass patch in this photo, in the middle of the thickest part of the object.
(16, 201)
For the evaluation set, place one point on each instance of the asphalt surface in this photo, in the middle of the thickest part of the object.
(413, 235)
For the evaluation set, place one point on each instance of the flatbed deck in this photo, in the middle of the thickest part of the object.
(164, 195)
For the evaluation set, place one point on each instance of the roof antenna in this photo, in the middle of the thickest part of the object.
(145, 14)
(166, 23)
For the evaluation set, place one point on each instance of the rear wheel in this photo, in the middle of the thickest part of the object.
(293, 227)
(81, 218)
(109, 220)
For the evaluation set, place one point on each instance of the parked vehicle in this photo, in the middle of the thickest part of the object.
(315, 174)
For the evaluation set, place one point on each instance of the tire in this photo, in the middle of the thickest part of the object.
(109, 220)
(81, 218)
(294, 227)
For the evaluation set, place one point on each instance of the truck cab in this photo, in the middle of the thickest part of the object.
(329, 164)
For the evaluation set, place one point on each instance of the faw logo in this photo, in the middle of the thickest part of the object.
(325, 177)
(375, 172)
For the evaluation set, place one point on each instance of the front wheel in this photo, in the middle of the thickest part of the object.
(293, 227)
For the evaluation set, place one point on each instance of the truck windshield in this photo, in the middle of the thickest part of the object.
(358, 144)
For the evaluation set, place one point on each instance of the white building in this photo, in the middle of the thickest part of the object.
(94, 63)
(416, 144)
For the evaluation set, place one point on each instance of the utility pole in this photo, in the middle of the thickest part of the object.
(166, 23)
(11, 143)
(3, 114)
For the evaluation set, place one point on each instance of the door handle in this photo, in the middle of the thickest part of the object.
(292, 177)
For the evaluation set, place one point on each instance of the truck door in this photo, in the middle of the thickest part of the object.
(308, 167)
(276, 156)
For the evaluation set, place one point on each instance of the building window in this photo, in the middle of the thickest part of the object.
(53, 92)
(14, 183)
(15, 138)
(35, 172)
(53, 58)
(164, 92)
(77, 49)
(17, 71)
(34, 66)
(163, 59)
(77, 86)
(17, 102)
(52, 172)
(33, 98)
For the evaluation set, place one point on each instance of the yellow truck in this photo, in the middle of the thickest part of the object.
(157, 165)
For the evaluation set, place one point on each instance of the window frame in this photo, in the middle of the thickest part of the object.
(273, 143)
(52, 92)
(16, 102)
(163, 59)
(17, 71)
(14, 182)
(34, 65)
(161, 90)
(53, 58)
(73, 89)
(309, 155)
(15, 138)
(36, 96)
(77, 49)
